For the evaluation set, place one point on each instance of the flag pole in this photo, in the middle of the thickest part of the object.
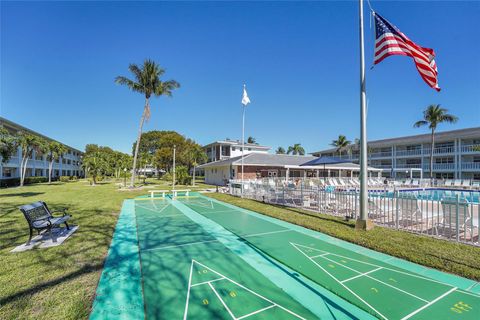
(243, 138)
(362, 222)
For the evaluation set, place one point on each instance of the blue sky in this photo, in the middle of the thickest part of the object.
(298, 59)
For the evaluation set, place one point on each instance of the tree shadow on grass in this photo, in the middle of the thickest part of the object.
(21, 194)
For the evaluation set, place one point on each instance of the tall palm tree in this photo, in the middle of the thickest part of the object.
(296, 149)
(433, 115)
(147, 82)
(341, 143)
(54, 150)
(280, 150)
(28, 143)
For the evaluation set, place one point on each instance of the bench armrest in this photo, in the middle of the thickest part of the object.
(62, 210)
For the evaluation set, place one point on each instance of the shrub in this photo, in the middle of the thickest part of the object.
(64, 178)
(182, 175)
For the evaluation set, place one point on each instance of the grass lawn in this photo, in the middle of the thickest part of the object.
(460, 259)
(59, 282)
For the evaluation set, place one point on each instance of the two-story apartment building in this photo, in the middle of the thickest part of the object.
(225, 149)
(456, 155)
(68, 165)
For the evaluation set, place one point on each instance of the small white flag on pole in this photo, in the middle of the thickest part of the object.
(245, 98)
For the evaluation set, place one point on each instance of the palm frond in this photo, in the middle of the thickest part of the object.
(420, 123)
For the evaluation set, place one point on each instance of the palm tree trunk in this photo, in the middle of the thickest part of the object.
(24, 171)
(431, 154)
(193, 184)
(142, 120)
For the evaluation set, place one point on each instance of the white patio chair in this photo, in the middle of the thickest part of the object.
(466, 183)
(457, 183)
(448, 222)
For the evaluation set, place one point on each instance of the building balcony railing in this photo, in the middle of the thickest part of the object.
(380, 155)
(439, 166)
(406, 153)
(440, 150)
(408, 166)
(471, 166)
(471, 148)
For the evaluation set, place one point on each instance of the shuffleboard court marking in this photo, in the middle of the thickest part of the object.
(386, 268)
(265, 233)
(361, 274)
(429, 304)
(334, 278)
(179, 245)
(225, 278)
(366, 274)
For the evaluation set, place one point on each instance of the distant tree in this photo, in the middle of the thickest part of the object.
(251, 140)
(94, 162)
(197, 156)
(280, 150)
(147, 82)
(7, 145)
(296, 149)
(433, 115)
(341, 143)
(28, 143)
(54, 151)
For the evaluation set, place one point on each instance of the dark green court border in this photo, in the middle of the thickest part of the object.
(119, 292)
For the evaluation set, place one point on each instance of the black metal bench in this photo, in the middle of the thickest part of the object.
(40, 218)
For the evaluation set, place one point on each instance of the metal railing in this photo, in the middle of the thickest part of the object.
(454, 217)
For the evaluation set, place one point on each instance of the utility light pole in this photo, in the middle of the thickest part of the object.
(174, 149)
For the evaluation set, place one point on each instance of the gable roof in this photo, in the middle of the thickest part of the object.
(261, 159)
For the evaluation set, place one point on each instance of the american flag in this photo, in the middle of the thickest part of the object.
(390, 41)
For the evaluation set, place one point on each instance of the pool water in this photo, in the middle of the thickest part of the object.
(439, 194)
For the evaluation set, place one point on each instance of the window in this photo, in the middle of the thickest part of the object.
(8, 172)
(444, 160)
(233, 149)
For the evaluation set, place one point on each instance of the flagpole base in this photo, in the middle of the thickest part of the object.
(364, 224)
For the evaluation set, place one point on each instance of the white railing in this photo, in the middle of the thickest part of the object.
(470, 165)
(475, 148)
(380, 155)
(439, 166)
(404, 153)
(454, 218)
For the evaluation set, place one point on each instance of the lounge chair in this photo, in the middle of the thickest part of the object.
(40, 218)
(410, 212)
(457, 183)
(448, 183)
(448, 221)
(466, 183)
(415, 183)
(476, 184)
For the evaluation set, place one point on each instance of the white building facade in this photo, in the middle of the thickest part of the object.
(456, 155)
(225, 149)
(68, 165)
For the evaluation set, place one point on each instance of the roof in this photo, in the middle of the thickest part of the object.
(262, 159)
(466, 133)
(236, 143)
(7, 122)
(280, 160)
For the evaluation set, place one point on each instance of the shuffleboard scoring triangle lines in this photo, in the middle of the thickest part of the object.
(200, 203)
(215, 276)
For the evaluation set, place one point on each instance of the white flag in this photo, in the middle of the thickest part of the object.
(245, 98)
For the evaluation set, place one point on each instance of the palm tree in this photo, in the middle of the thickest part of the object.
(433, 116)
(28, 143)
(54, 151)
(341, 143)
(198, 156)
(7, 145)
(147, 82)
(251, 140)
(296, 149)
(280, 150)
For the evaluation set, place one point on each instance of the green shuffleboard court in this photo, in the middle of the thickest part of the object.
(199, 258)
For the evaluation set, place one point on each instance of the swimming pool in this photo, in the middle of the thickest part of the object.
(439, 194)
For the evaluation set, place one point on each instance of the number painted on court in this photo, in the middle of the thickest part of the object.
(205, 301)
(233, 294)
(202, 271)
(461, 307)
